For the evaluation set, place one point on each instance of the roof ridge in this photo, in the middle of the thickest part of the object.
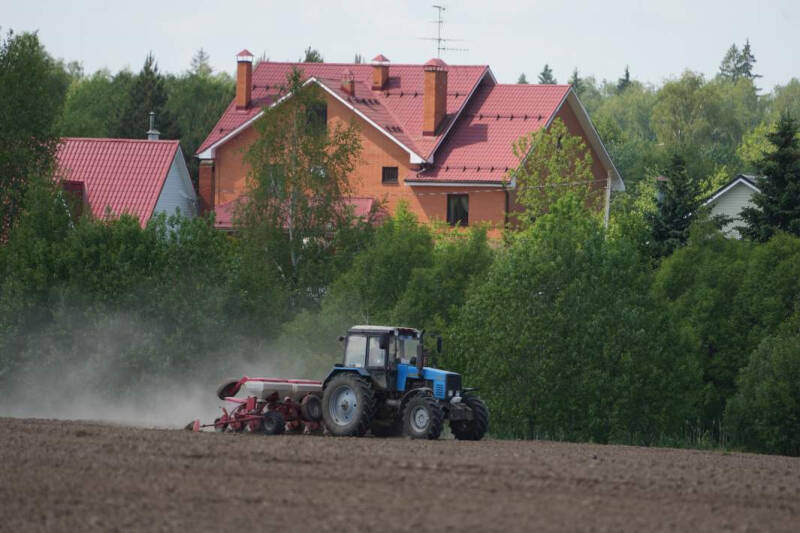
(476, 65)
(112, 139)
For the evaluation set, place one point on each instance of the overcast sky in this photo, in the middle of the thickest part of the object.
(658, 39)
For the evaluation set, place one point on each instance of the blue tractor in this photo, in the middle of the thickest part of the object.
(384, 387)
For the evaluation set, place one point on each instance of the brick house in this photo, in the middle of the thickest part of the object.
(436, 136)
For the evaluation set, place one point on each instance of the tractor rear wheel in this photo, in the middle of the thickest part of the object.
(476, 428)
(423, 418)
(387, 428)
(348, 405)
(273, 423)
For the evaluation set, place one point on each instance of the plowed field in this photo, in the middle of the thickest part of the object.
(79, 476)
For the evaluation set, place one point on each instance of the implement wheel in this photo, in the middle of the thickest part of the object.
(348, 405)
(476, 428)
(423, 418)
(273, 423)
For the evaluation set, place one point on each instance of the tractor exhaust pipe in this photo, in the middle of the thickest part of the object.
(421, 352)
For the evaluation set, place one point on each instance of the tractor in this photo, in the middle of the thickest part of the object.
(384, 387)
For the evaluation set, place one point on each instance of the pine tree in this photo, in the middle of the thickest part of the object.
(625, 81)
(576, 81)
(200, 64)
(745, 63)
(359, 59)
(522, 79)
(728, 68)
(546, 76)
(148, 92)
(777, 206)
(677, 202)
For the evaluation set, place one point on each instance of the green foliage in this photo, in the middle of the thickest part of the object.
(737, 65)
(546, 75)
(764, 415)
(522, 79)
(777, 206)
(197, 99)
(576, 82)
(553, 163)
(677, 204)
(32, 88)
(727, 295)
(564, 342)
(625, 81)
(94, 104)
(310, 55)
(297, 189)
(147, 92)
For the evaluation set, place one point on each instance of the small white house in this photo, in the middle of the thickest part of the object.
(134, 176)
(730, 199)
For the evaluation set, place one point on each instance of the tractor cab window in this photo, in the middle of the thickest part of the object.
(406, 348)
(355, 351)
(377, 355)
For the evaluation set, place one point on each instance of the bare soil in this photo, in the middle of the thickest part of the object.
(79, 476)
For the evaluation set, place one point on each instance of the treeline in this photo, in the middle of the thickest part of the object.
(656, 330)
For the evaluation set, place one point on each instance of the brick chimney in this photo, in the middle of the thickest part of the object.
(348, 82)
(380, 72)
(205, 185)
(434, 104)
(244, 79)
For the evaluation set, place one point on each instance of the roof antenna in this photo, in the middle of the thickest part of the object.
(153, 133)
(440, 41)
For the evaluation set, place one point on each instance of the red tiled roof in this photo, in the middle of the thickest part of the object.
(479, 146)
(125, 175)
(380, 58)
(400, 101)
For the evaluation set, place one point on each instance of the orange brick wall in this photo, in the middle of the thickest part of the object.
(567, 115)
(377, 151)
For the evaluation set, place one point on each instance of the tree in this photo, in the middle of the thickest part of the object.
(358, 59)
(555, 370)
(576, 82)
(148, 92)
(746, 62)
(32, 89)
(625, 81)
(310, 55)
(777, 205)
(728, 69)
(94, 104)
(200, 64)
(297, 188)
(522, 79)
(677, 202)
(196, 99)
(546, 76)
(551, 163)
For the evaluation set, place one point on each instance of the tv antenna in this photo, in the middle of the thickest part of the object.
(441, 41)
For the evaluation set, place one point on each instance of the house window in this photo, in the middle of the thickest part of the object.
(389, 175)
(317, 116)
(458, 209)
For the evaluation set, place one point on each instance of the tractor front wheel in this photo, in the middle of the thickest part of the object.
(423, 418)
(348, 405)
(476, 428)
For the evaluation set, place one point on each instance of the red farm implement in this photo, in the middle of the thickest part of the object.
(270, 406)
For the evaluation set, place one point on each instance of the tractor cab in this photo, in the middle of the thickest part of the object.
(380, 351)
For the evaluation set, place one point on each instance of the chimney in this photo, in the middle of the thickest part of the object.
(434, 94)
(348, 82)
(153, 133)
(380, 72)
(244, 79)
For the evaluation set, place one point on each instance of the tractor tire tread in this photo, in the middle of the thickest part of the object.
(364, 390)
(436, 417)
(476, 428)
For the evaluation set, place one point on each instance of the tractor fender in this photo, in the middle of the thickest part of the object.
(335, 371)
(412, 393)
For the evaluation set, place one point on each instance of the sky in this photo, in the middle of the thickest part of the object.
(658, 39)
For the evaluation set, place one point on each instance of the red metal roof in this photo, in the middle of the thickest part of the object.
(124, 175)
(380, 58)
(400, 100)
(479, 146)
